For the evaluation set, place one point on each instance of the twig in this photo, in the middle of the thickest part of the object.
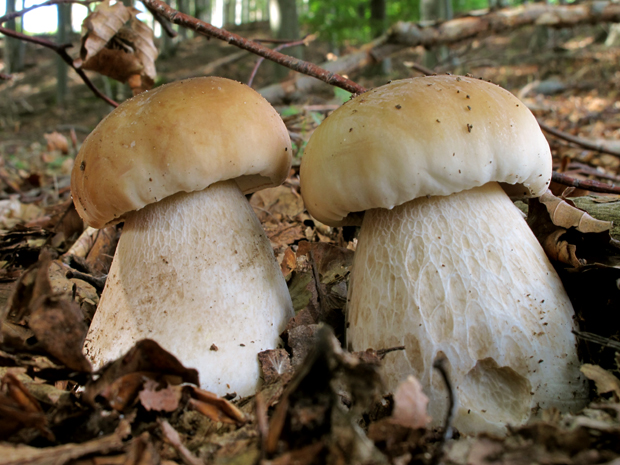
(262, 422)
(591, 337)
(172, 437)
(440, 365)
(60, 49)
(576, 140)
(587, 184)
(276, 49)
(97, 283)
(293, 63)
(381, 353)
(17, 14)
(163, 22)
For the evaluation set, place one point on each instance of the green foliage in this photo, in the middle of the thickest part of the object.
(342, 95)
(349, 20)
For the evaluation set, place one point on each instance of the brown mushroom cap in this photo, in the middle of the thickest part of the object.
(428, 136)
(180, 137)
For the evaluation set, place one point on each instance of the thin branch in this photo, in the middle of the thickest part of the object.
(600, 147)
(60, 49)
(587, 184)
(17, 14)
(293, 63)
(163, 22)
(276, 49)
(440, 365)
(605, 342)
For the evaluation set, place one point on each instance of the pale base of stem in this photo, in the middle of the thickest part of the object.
(196, 273)
(464, 276)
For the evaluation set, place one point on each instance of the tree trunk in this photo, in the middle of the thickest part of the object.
(378, 17)
(183, 7)
(245, 11)
(62, 34)
(12, 57)
(202, 10)
(284, 25)
(432, 10)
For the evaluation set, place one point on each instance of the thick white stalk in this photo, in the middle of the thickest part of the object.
(464, 276)
(196, 273)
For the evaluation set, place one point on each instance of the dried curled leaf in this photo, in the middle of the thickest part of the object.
(214, 407)
(56, 322)
(410, 404)
(56, 141)
(19, 409)
(116, 44)
(566, 215)
(604, 380)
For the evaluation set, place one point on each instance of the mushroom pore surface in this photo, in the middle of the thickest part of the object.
(463, 276)
(196, 273)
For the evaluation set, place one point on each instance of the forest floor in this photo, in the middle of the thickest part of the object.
(53, 411)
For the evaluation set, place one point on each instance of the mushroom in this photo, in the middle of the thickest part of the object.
(193, 269)
(445, 264)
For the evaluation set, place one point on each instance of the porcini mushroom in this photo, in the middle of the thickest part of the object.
(445, 264)
(193, 269)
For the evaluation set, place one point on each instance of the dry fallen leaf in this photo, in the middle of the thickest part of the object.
(19, 409)
(410, 404)
(116, 44)
(56, 141)
(604, 380)
(56, 322)
(274, 363)
(162, 400)
(566, 215)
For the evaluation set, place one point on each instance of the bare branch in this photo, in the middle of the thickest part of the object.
(277, 49)
(163, 22)
(587, 184)
(293, 63)
(60, 49)
(600, 147)
(17, 14)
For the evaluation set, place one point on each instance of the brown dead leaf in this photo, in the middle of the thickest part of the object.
(22, 454)
(410, 405)
(283, 234)
(142, 451)
(215, 407)
(289, 262)
(604, 380)
(567, 215)
(146, 359)
(161, 400)
(19, 409)
(56, 322)
(56, 141)
(570, 235)
(123, 391)
(274, 363)
(278, 200)
(116, 44)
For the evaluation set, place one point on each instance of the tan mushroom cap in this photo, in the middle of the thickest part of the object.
(427, 136)
(180, 137)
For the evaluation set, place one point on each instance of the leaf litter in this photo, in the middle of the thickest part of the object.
(318, 403)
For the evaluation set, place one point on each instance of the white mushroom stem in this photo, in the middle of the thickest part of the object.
(196, 273)
(464, 276)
